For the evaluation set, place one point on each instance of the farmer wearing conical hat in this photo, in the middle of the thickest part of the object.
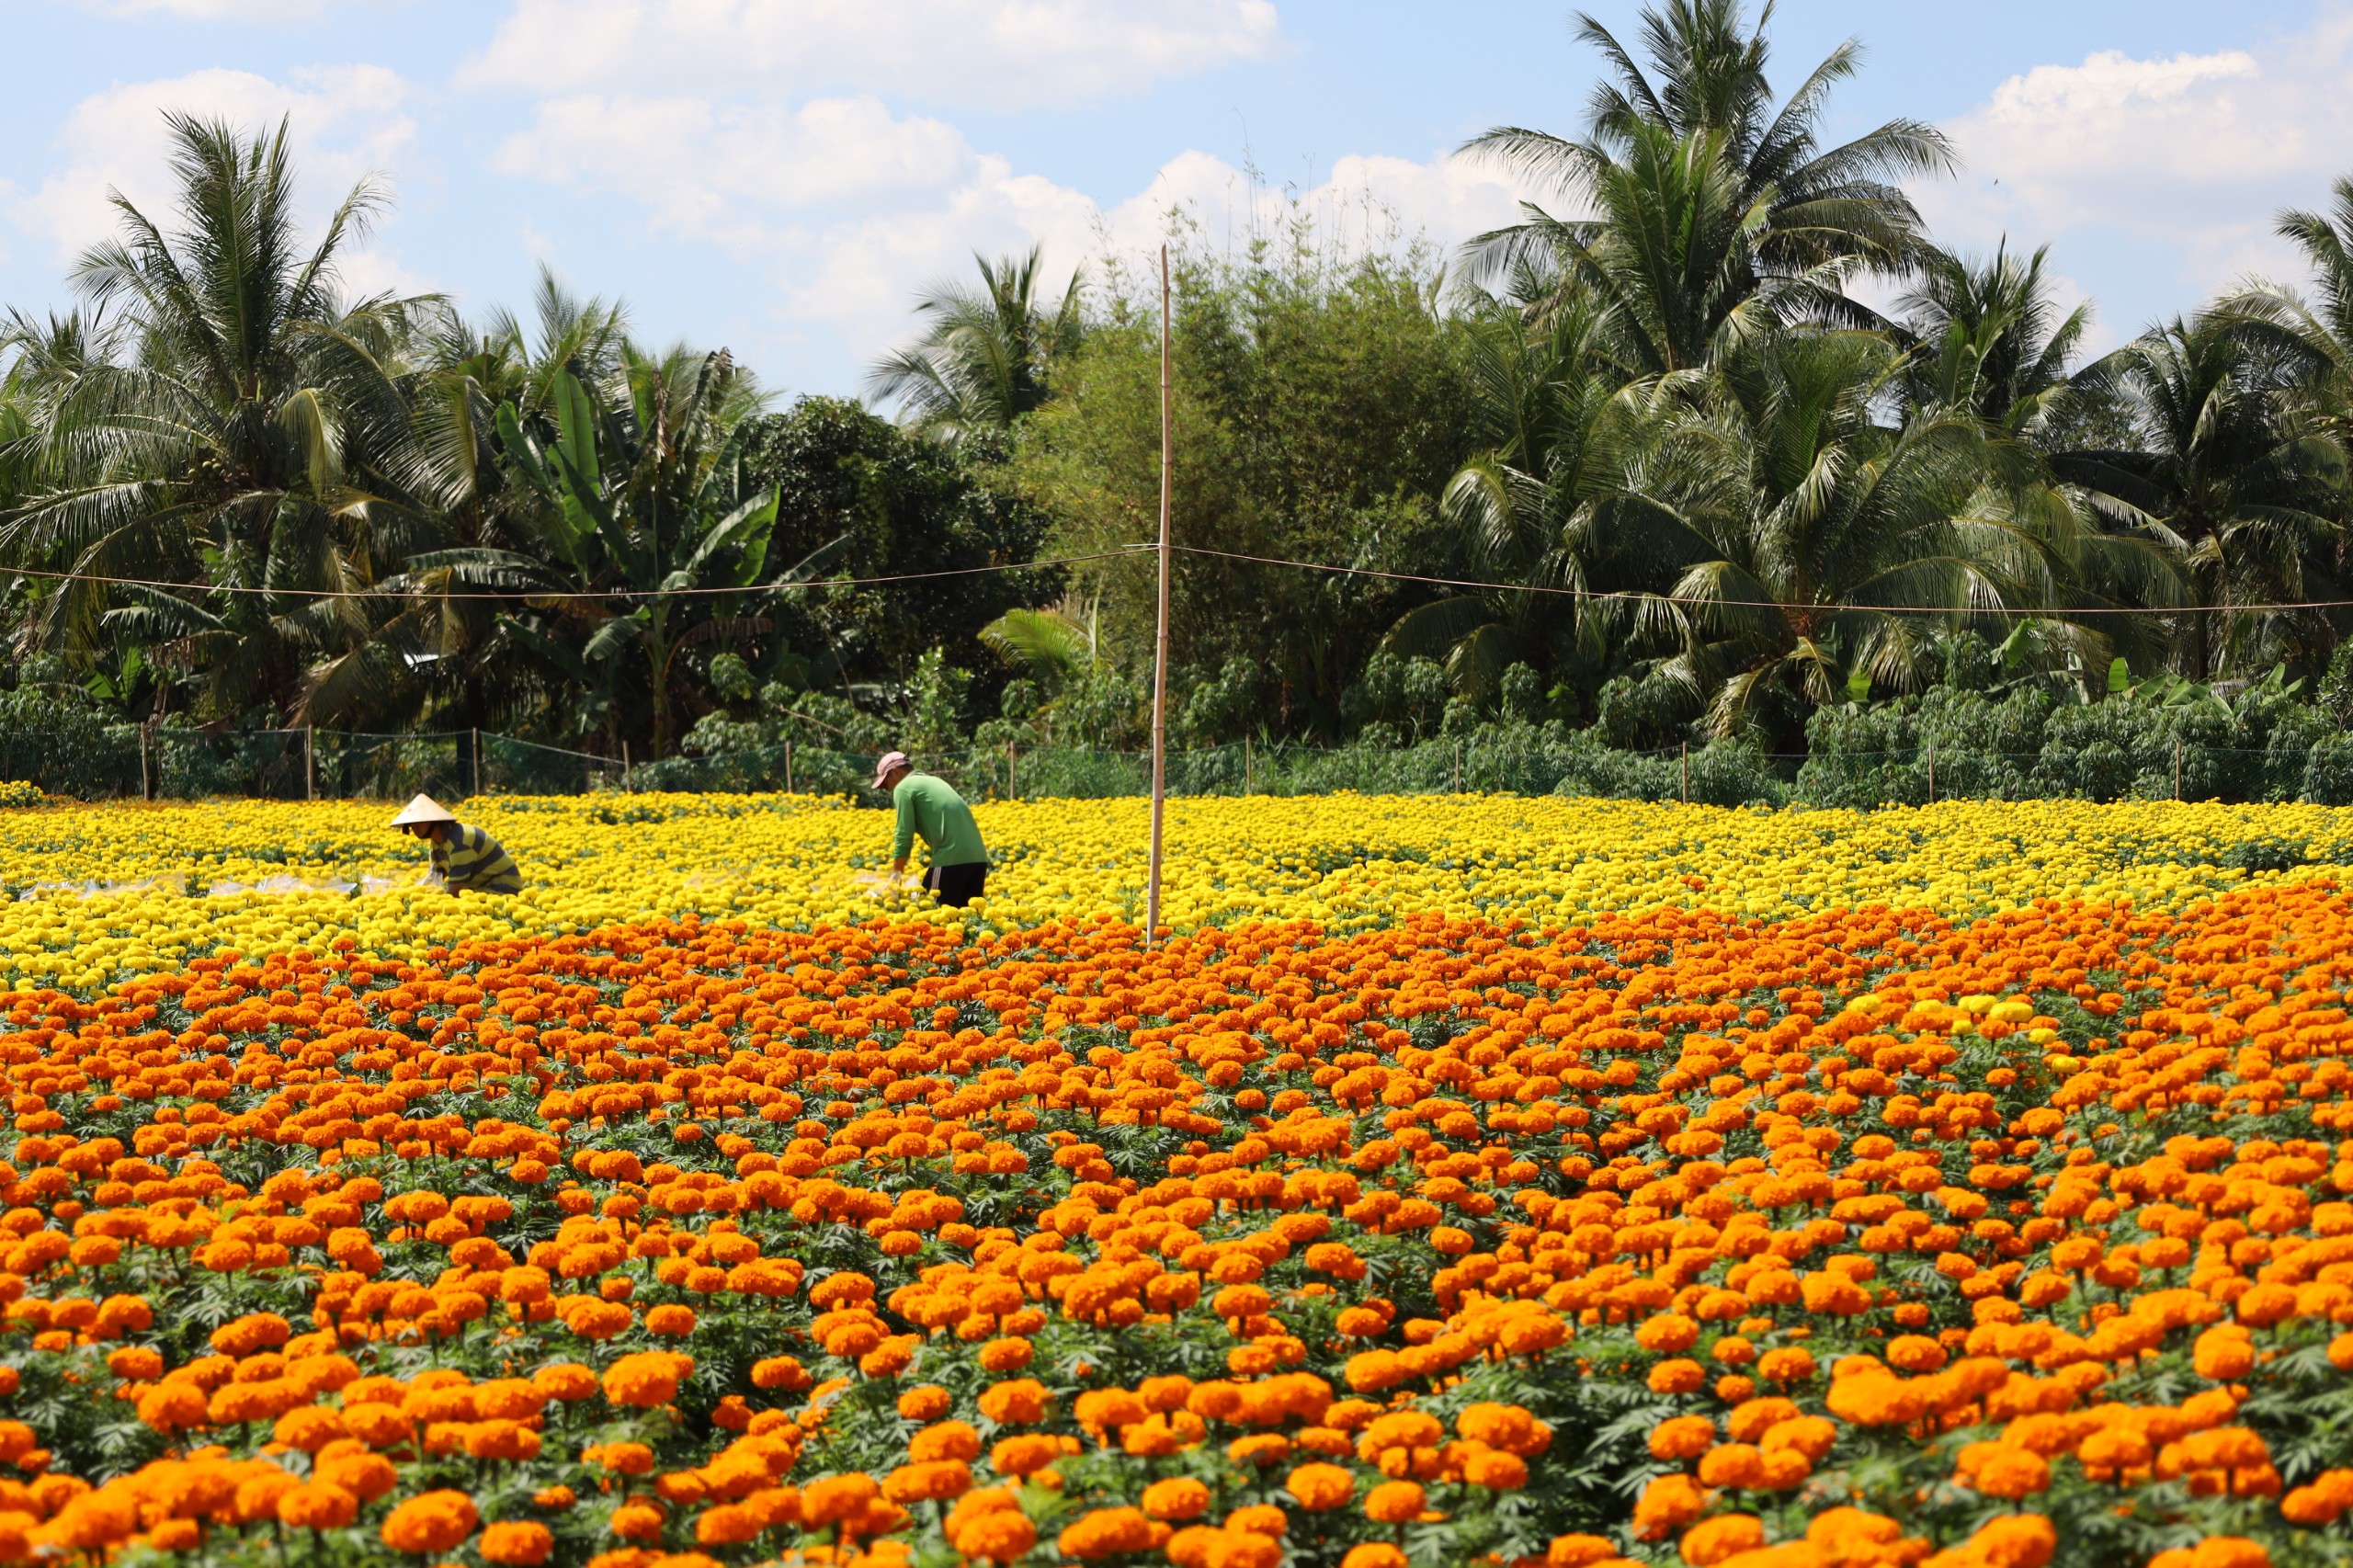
(464, 858)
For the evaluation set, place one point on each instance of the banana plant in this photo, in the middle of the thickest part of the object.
(647, 506)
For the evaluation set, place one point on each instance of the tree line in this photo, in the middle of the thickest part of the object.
(1644, 464)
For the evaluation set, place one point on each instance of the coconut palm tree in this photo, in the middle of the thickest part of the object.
(1804, 540)
(437, 661)
(1989, 338)
(980, 362)
(219, 413)
(2240, 472)
(1713, 210)
(1557, 425)
(2313, 331)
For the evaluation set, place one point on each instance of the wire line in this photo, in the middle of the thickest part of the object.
(552, 594)
(1133, 552)
(1623, 596)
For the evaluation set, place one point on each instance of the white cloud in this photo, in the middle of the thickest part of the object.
(857, 276)
(850, 210)
(2186, 159)
(369, 269)
(1010, 53)
(709, 169)
(347, 121)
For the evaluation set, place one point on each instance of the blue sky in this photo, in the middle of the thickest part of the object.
(779, 175)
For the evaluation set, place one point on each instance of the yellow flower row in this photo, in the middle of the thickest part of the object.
(99, 891)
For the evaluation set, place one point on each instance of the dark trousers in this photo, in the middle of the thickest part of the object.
(957, 885)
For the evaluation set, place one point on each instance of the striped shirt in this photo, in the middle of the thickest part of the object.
(470, 858)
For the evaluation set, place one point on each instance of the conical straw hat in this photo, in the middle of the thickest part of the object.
(423, 809)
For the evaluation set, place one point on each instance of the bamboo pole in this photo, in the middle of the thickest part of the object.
(1932, 773)
(1245, 765)
(788, 767)
(1687, 773)
(1012, 773)
(310, 764)
(1160, 655)
(475, 751)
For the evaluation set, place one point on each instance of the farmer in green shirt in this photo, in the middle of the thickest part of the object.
(929, 809)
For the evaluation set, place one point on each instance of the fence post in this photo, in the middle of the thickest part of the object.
(1245, 765)
(310, 764)
(2177, 768)
(626, 787)
(1012, 774)
(1686, 772)
(146, 789)
(788, 769)
(1458, 767)
(476, 753)
(1932, 773)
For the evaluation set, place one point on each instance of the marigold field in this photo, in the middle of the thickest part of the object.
(1472, 1181)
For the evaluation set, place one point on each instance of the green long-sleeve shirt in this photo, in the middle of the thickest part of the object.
(929, 809)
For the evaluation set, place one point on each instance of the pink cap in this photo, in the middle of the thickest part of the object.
(891, 760)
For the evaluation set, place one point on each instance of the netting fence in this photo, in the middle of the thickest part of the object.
(133, 763)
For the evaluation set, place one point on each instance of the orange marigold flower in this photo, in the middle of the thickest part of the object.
(2230, 1552)
(567, 1381)
(672, 1321)
(2223, 1354)
(832, 1499)
(1679, 1376)
(646, 1378)
(925, 1480)
(1321, 1487)
(1496, 1471)
(1006, 1354)
(139, 1363)
(317, 1505)
(1024, 1454)
(946, 1440)
(2014, 1540)
(1682, 1437)
(1666, 1505)
(1737, 1465)
(1711, 1541)
(1000, 1535)
(1014, 1403)
(517, 1543)
(1107, 1532)
(1787, 1364)
(1666, 1331)
(365, 1475)
(434, 1521)
(1373, 1555)
(1179, 1497)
